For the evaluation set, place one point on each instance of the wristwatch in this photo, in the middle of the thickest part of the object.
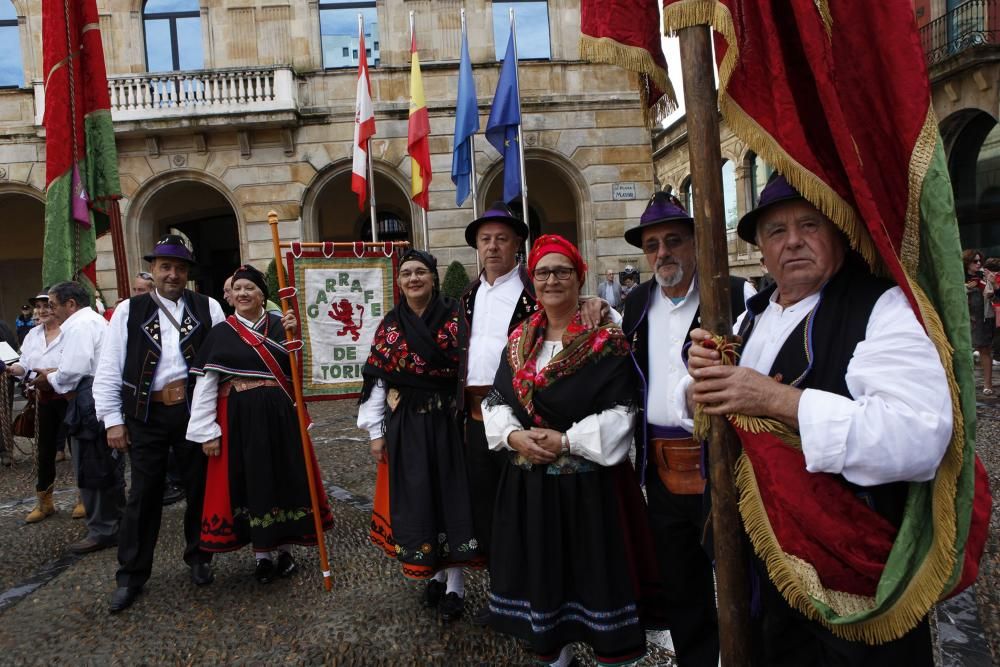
(565, 443)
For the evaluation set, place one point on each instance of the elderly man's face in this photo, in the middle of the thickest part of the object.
(669, 249)
(611, 276)
(227, 290)
(801, 247)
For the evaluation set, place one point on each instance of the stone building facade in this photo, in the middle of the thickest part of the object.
(265, 121)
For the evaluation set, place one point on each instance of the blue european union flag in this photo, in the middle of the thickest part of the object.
(505, 117)
(466, 126)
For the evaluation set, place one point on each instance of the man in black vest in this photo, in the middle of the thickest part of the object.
(491, 306)
(659, 313)
(835, 356)
(143, 394)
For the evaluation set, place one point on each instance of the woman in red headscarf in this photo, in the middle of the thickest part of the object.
(572, 555)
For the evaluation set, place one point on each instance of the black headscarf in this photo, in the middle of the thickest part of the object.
(247, 272)
(428, 260)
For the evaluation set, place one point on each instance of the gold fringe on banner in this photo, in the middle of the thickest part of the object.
(926, 586)
(634, 59)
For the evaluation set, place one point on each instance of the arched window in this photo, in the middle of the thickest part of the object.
(532, 20)
(173, 35)
(338, 31)
(758, 172)
(729, 194)
(687, 192)
(11, 68)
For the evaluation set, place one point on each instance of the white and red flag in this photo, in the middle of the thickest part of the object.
(364, 126)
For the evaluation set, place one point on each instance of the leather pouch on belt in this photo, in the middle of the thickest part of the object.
(679, 465)
(173, 395)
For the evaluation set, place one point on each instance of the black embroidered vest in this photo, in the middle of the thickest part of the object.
(635, 323)
(143, 348)
(816, 354)
(526, 305)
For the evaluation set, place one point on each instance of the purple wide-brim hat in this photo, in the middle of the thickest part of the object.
(777, 191)
(660, 209)
(171, 246)
(498, 212)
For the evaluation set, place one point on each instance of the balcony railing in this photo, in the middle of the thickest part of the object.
(970, 24)
(144, 97)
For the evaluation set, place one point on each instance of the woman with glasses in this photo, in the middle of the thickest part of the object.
(979, 287)
(42, 349)
(571, 557)
(407, 406)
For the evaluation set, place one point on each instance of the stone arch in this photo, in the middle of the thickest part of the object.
(23, 230)
(685, 192)
(549, 162)
(315, 222)
(189, 200)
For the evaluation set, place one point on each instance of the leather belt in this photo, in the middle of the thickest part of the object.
(245, 384)
(474, 401)
(173, 393)
(678, 462)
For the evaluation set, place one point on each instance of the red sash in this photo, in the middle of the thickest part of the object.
(256, 341)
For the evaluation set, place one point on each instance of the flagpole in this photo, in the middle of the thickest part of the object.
(423, 211)
(308, 452)
(472, 153)
(520, 135)
(702, 104)
(368, 145)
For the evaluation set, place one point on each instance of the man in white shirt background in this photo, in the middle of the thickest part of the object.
(99, 471)
(143, 392)
(837, 356)
(610, 290)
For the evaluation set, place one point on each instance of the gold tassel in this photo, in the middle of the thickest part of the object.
(636, 60)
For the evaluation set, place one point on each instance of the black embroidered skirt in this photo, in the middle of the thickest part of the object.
(429, 502)
(256, 490)
(572, 561)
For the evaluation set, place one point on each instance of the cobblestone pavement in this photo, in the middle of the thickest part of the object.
(53, 605)
(53, 608)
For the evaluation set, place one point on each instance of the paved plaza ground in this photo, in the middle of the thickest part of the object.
(53, 606)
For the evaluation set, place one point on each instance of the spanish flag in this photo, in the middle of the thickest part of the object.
(419, 130)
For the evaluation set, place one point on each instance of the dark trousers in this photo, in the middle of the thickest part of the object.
(689, 586)
(51, 431)
(151, 442)
(781, 637)
(483, 466)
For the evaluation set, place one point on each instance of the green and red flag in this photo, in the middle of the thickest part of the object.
(419, 131)
(81, 162)
(835, 95)
(625, 33)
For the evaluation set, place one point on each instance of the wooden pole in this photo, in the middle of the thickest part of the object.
(702, 111)
(300, 409)
(122, 276)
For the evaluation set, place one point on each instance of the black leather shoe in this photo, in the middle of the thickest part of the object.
(481, 616)
(433, 592)
(172, 494)
(123, 597)
(265, 571)
(451, 607)
(201, 574)
(286, 565)
(90, 544)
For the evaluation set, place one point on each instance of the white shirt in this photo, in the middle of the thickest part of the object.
(83, 334)
(171, 366)
(371, 413)
(668, 326)
(896, 427)
(494, 307)
(604, 438)
(202, 426)
(36, 353)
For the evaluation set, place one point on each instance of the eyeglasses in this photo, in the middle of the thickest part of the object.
(419, 273)
(977, 261)
(672, 242)
(561, 273)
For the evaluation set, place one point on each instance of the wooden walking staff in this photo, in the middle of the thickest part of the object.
(702, 110)
(300, 409)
